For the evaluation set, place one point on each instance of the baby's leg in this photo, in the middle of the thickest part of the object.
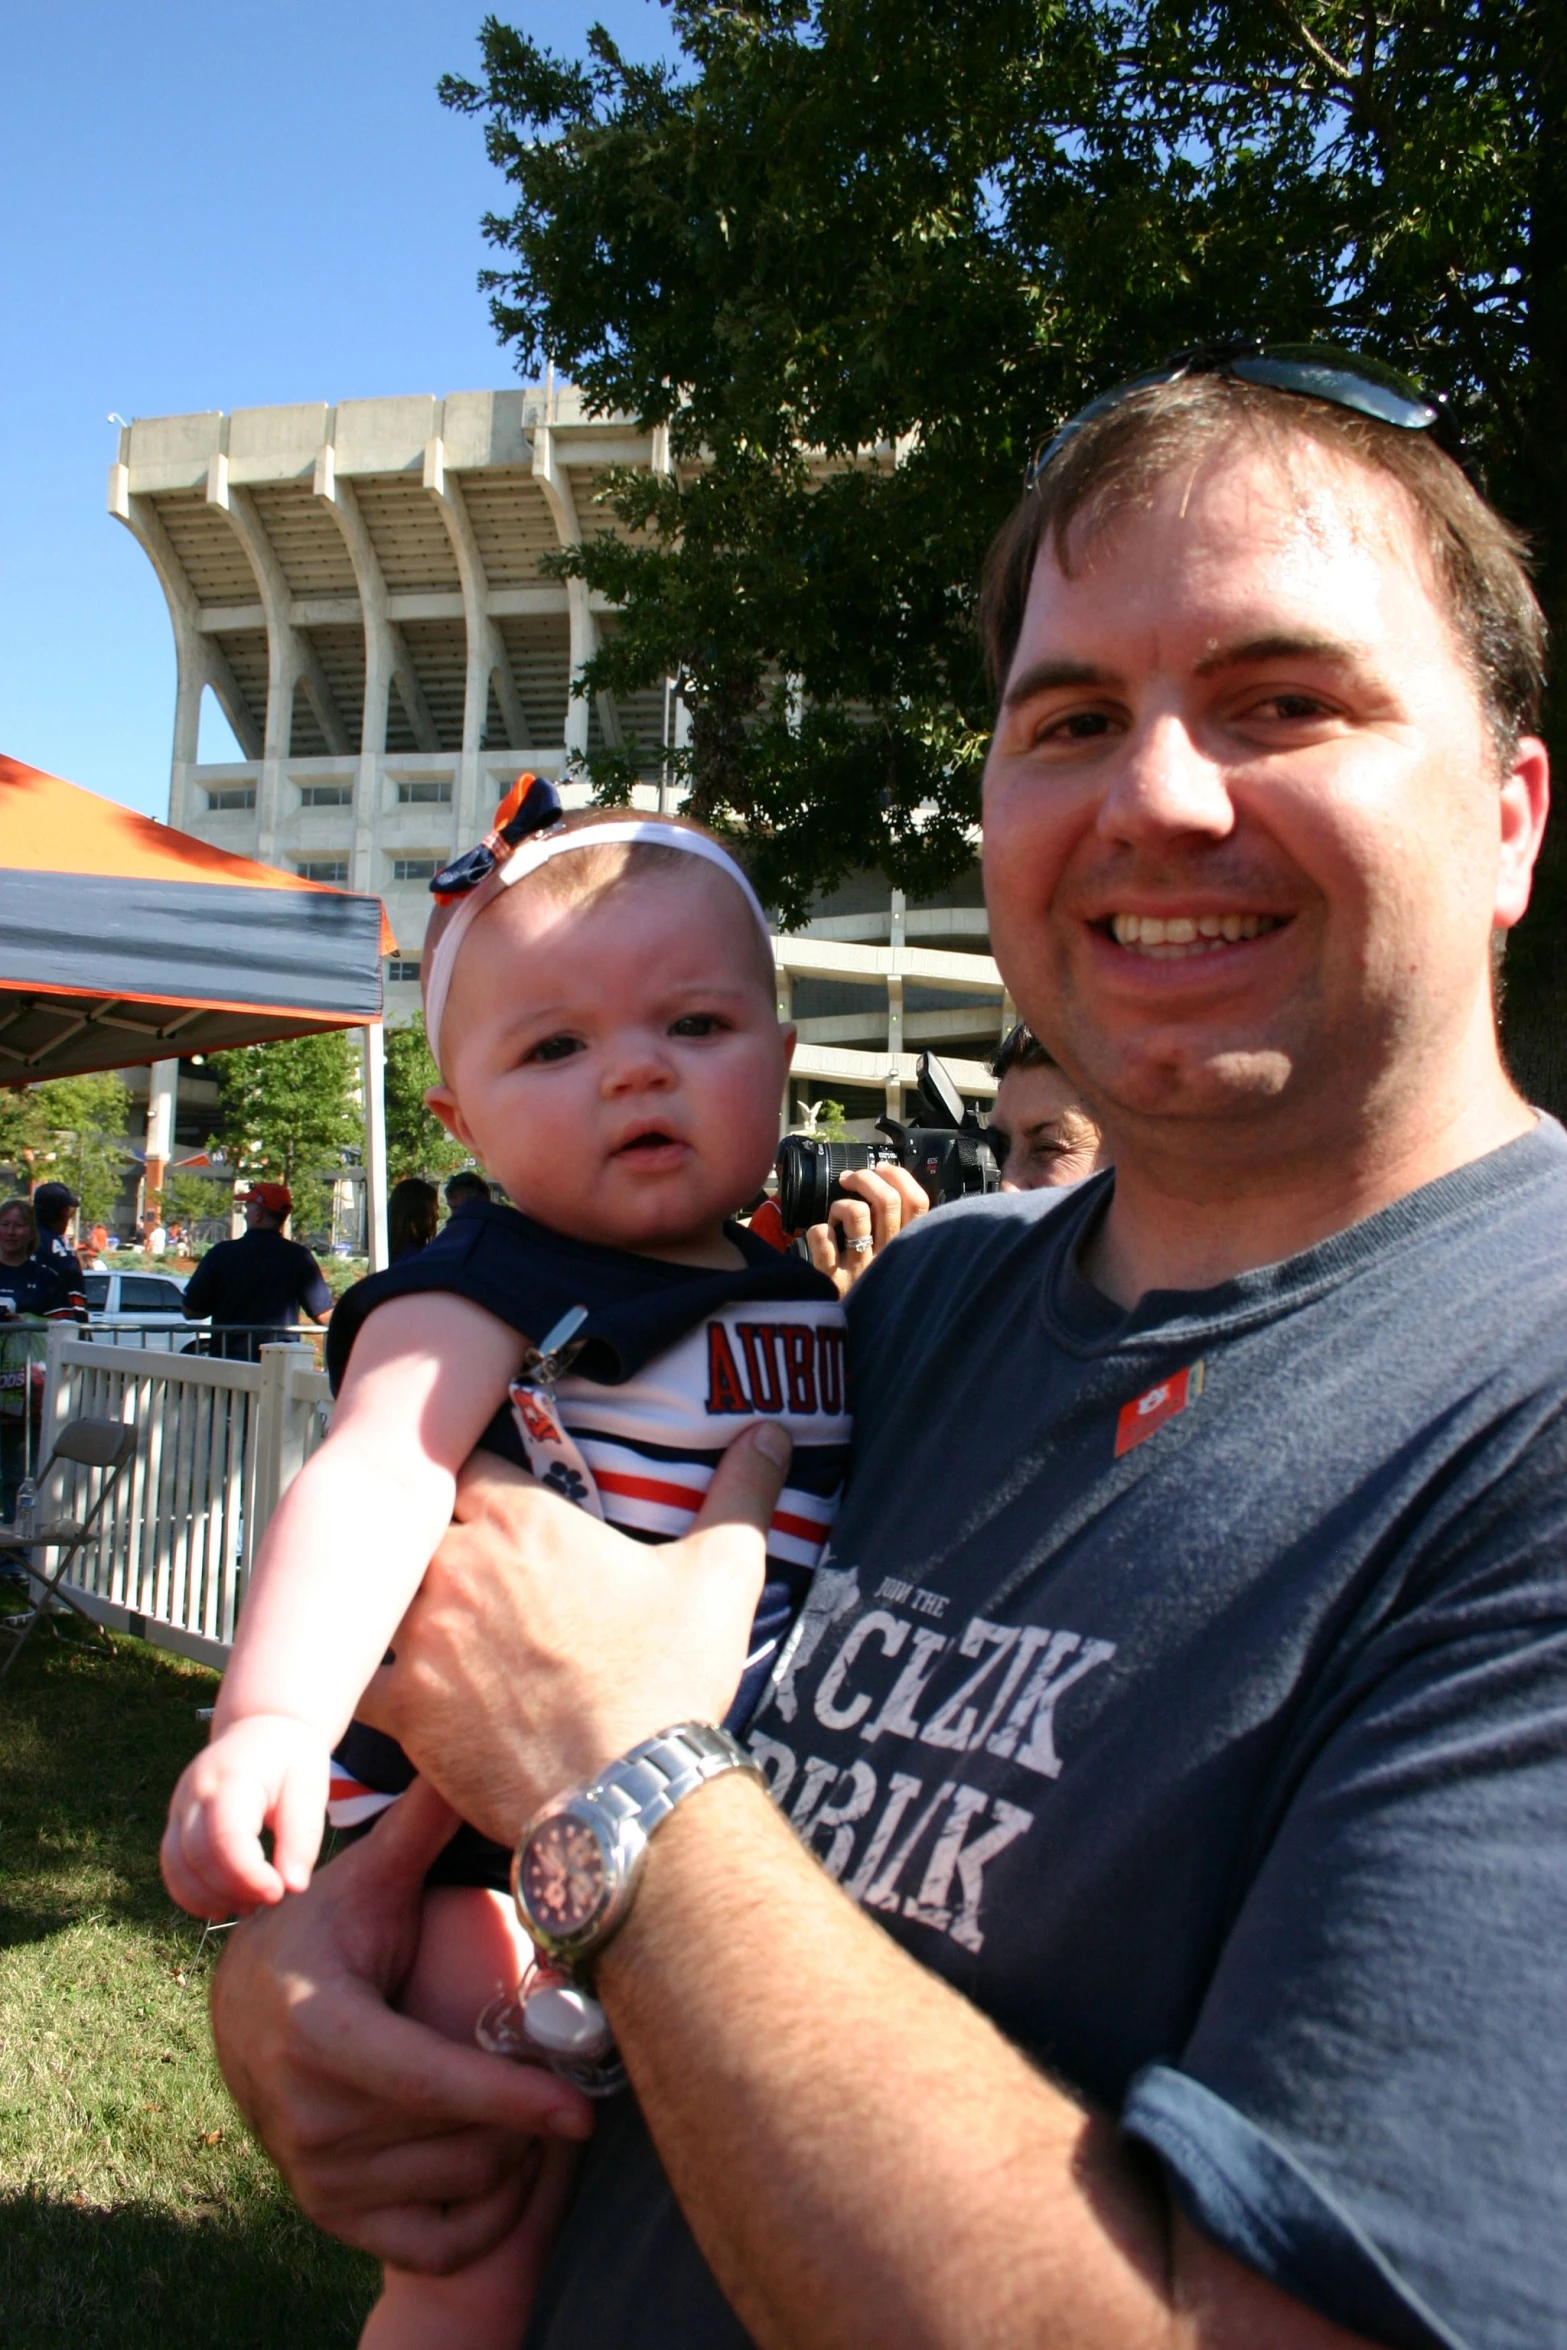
(470, 1948)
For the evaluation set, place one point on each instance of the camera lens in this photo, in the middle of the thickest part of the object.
(809, 1171)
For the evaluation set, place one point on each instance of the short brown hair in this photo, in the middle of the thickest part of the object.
(1115, 462)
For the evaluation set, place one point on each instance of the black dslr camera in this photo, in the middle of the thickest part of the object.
(947, 1152)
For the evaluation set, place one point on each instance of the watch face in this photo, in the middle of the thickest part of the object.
(562, 1876)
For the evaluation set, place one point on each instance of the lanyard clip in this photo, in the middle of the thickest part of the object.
(544, 1365)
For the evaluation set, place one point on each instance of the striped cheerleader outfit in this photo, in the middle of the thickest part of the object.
(674, 1363)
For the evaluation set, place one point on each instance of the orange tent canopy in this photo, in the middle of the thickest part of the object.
(123, 941)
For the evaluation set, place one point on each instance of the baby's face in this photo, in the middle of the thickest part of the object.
(619, 1065)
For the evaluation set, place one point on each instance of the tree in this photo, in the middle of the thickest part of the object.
(910, 236)
(416, 1141)
(290, 1113)
(21, 1131)
(194, 1200)
(70, 1130)
(825, 1121)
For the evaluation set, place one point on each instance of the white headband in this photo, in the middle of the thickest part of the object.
(527, 858)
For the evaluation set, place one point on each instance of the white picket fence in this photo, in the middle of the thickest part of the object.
(217, 1445)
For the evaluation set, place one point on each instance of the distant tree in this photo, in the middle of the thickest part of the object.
(290, 1112)
(83, 1125)
(21, 1131)
(930, 229)
(825, 1121)
(193, 1199)
(416, 1141)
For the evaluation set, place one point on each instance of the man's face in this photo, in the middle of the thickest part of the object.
(1045, 1135)
(1245, 841)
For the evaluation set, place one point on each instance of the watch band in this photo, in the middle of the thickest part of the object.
(645, 1785)
(618, 1812)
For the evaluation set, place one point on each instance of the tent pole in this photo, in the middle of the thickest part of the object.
(163, 1081)
(375, 1143)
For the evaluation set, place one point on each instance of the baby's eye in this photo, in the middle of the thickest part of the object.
(697, 1024)
(555, 1048)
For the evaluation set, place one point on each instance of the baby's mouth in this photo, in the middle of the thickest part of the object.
(654, 1140)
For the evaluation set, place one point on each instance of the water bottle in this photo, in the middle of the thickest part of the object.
(26, 1508)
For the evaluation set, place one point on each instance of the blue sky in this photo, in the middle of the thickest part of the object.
(214, 208)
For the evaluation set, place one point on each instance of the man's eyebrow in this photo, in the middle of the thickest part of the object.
(1252, 652)
(1044, 677)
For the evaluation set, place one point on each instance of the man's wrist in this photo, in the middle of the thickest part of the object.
(686, 1886)
(580, 1858)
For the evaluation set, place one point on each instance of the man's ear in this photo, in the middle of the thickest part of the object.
(1526, 800)
(441, 1102)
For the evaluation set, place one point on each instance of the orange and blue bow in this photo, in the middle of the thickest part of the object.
(532, 805)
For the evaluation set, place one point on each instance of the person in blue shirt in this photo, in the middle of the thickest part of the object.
(32, 1291)
(54, 1204)
(258, 1283)
(1153, 1941)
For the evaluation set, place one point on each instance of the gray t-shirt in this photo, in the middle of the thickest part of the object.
(1189, 1688)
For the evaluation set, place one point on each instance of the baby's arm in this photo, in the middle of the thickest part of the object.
(341, 1559)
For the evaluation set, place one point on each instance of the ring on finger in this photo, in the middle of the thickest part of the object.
(857, 1248)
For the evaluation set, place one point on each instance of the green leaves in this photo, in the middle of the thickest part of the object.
(70, 1130)
(290, 1112)
(862, 255)
(416, 1141)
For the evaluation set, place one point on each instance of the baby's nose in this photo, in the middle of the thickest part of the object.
(639, 1066)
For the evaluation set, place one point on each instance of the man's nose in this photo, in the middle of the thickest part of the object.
(1165, 784)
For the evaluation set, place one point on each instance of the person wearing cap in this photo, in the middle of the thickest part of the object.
(54, 1204)
(260, 1282)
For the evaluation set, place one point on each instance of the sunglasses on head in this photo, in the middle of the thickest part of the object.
(1312, 371)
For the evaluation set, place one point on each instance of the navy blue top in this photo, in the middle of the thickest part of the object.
(528, 1276)
(64, 1258)
(1189, 1690)
(259, 1279)
(36, 1287)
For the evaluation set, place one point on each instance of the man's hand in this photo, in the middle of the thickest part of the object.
(398, 2141)
(885, 1201)
(542, 1643)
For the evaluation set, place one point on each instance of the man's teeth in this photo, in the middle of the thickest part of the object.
(1175, 935)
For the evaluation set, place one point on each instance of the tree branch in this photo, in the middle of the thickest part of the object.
(1304, 38)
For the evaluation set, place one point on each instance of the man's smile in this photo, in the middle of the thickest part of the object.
(1173, 937)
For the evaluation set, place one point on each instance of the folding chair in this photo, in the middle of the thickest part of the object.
(105, 1445)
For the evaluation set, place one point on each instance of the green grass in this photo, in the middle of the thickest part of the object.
(135, 2210)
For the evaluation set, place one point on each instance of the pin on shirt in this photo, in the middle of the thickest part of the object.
(1149, 1411)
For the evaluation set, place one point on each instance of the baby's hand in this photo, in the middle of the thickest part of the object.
(263, 1771)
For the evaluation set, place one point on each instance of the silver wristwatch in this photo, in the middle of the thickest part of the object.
(578, 1860)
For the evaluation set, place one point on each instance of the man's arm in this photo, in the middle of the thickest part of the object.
(315, 1297)
(861, 2156)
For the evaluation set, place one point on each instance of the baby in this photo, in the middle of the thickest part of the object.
(600, 999)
